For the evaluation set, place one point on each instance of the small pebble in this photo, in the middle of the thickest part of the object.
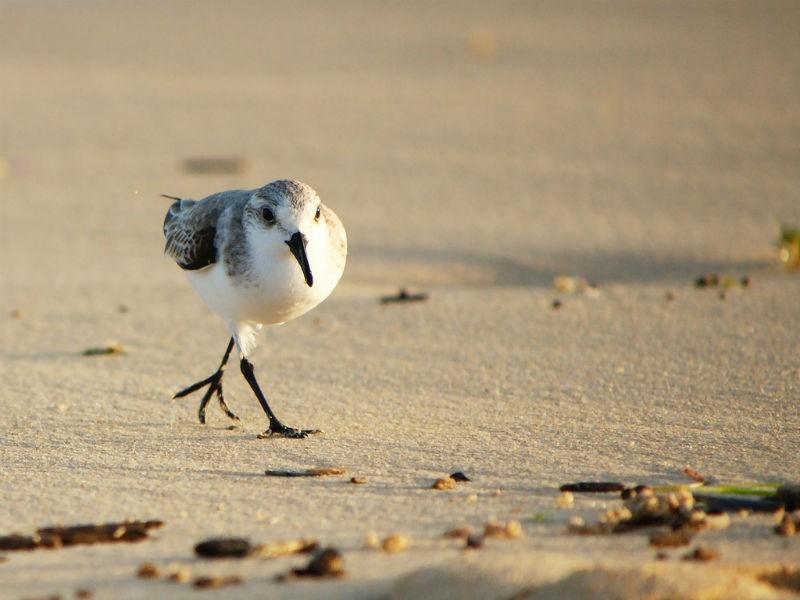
(701, 554)
(786, 528)
(729, 281)
(180, 574)
(459, 477)
(717, 520)
(565, 500)
(513, 529)
(358, 480)
(371, 540)
(325, 563)
(789, 524)
(576, 524)
(395, 543)
(510, 530)
(475, 540)
(556, 304)
(328, 562)
(148, 571)
(445, 483)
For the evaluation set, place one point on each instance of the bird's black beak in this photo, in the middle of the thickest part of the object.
(297, 244)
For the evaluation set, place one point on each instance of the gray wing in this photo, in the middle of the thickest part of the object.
(190, 228)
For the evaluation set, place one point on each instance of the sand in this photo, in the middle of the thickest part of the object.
(474, 151)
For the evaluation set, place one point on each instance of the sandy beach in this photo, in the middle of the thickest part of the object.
(475, 152)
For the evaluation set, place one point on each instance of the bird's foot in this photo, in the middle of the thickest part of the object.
(278, 429)
(224, 407)
(214, 383)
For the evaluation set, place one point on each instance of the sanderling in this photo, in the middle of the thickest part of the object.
(256, 257)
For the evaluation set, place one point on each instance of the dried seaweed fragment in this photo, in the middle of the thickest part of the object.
(404, 296)
(126, 531)
(458, 532)
(790, 495)
(707, 280)
(104, 350)
(733, 503)
(19, 542)
(694, 474)
(593, 487)
(224, 548)
(276, 549)
(316, 472)
(672, 539)
(57, 537)
(242, 548)
(207, 583)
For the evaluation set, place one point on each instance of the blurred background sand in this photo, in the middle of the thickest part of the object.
(474, 151)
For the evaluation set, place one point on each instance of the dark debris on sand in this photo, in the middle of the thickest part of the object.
(58, 537)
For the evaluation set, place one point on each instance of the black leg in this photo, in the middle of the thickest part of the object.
(275, 426)
(214, 383)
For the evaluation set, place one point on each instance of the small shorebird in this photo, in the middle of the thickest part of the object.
(256, 257)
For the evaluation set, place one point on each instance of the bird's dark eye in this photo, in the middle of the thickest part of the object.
(268, 215)
(316, 215)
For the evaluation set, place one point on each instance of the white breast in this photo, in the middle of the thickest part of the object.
(273, 290)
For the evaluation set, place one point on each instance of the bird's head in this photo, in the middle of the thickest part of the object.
(290, 213)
